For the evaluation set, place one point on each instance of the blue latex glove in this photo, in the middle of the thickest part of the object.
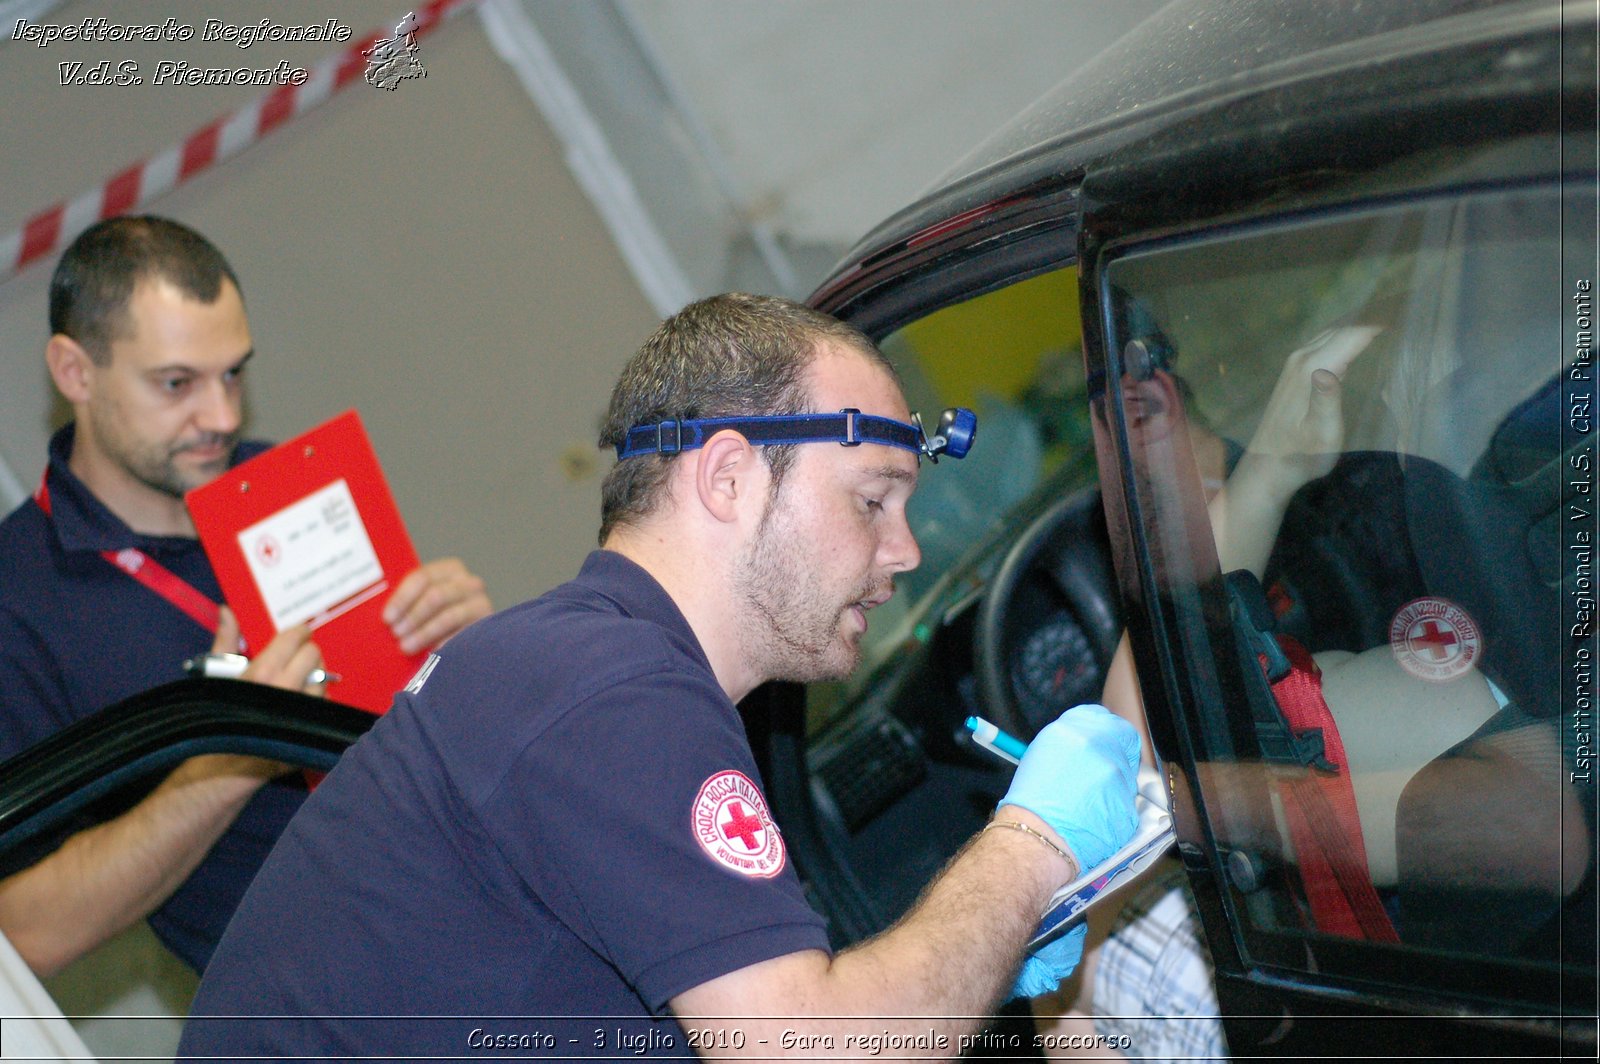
(1080, 777)
(1043, 971)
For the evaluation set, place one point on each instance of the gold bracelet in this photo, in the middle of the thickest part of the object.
(1065, 856)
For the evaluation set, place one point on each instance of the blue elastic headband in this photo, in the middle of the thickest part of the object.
(848, 428)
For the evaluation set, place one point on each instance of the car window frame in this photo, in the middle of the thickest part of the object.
(44, 787)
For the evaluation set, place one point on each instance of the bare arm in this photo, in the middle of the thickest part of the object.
(105, 878)
(943, 966)
(947, 963)
(1509, 789)
(1298, 440)
(1122, 696)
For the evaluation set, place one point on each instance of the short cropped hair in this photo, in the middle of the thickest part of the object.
(726, 356)
(95, 279)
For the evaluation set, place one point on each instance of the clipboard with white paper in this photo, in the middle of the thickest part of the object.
(309, 533)
(1153, 837)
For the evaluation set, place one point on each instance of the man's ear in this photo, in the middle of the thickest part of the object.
(725, 474)
(70, 367)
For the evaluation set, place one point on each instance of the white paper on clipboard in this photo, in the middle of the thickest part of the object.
(310, 555)
(1153, 837)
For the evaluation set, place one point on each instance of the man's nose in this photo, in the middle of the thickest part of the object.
(220, 408)
(898, 551)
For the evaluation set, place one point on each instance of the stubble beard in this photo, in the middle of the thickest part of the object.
(795, 625)
(155, 464)
(166, 475)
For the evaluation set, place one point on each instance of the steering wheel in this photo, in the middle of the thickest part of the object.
(1049, 622)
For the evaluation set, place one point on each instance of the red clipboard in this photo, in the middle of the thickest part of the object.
(308, 531)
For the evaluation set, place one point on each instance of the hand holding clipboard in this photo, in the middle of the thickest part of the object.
(309, 533)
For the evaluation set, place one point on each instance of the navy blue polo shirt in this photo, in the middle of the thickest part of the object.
(554, 831)
(77, 634)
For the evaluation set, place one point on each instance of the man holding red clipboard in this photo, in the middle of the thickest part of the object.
(107, 591)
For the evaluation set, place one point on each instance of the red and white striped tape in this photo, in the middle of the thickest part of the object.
(50, 229)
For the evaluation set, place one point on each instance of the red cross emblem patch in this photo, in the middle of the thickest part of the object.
(267, 550)
(732, 825)
(1434, 639)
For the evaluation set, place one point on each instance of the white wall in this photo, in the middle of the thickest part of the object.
(833, 114)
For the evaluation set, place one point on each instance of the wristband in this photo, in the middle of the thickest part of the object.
(1065, 856)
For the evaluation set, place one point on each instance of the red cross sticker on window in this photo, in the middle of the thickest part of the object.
(1435, 639)
(1429, 638)
(732, 825)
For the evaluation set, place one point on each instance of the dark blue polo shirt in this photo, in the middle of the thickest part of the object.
(77, 634)
(560, 819)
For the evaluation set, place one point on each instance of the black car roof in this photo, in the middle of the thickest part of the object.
(1187, 60)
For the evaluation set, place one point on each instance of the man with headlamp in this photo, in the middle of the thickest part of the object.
(560, 815)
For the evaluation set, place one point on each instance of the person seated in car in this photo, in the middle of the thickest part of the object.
(1466, 747)
(1463, 808)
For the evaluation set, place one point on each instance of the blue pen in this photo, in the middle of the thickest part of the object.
(991, 738)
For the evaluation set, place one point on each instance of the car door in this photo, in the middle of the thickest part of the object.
(119, 995)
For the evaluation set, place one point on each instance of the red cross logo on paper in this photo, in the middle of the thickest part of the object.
(268, 551)
(1434, 639)
(733, 827)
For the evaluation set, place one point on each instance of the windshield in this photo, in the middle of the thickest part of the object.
(1014, 355)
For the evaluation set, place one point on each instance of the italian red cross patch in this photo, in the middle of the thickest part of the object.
(732, 825)
(1434, 639)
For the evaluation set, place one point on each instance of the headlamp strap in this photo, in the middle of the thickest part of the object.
(847, 427)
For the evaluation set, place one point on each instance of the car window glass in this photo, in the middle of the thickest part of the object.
(1377, 585)
(1014, 355)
